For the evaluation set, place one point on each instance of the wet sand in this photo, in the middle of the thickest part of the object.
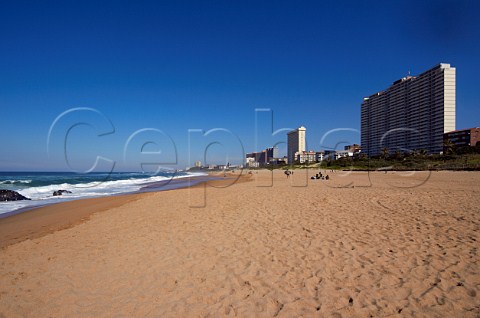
(368, 245)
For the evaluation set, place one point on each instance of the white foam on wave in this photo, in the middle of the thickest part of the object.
(44, 195)
(15, 181)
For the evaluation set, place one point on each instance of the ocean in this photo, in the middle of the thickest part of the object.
(39, 186)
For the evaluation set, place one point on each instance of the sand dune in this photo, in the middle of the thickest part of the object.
(358, 245)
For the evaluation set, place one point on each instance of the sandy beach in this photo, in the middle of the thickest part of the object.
(358, 245)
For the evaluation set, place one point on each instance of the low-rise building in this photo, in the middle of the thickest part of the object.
(319, 156)
(337, 154)
(464, 137)
(343, 154)
(251, 163)
(305, 156)
(353, 148)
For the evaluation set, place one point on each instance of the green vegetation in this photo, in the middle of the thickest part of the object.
(408, 162)
(465, 158)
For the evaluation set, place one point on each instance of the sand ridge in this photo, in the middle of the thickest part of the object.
(356, 245)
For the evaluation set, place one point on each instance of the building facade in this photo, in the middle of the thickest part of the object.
(320, 155)
(309, 156)
(306, 156)
(353, 148)
(272, 153)
(263, 157)
(412, 114)
(295, 143)
(464, 137)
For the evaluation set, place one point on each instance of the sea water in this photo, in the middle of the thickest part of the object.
(39, 186)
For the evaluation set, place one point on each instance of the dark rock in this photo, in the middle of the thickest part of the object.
(60, 192)
(9, 195)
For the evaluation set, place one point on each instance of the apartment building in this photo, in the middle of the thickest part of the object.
(412, 114)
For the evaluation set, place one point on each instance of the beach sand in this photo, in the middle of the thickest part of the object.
(358, 245)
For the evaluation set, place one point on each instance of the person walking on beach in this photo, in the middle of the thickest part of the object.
(287, 173)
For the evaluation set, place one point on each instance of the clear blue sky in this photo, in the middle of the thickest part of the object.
(178, 65)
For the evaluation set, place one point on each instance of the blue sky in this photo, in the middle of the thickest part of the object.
(168, 67)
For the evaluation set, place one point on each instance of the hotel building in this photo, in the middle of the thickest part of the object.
(295, 143)
(412, 114)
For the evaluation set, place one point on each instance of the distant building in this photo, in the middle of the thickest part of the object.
(464, 137)
(320, 155)
(415, 111)
(337, 154)
(343, 154)
(260, 157)
(272, 153)
(309, 156)
(295, 143)
(353, 148)
(198, 164)
(250, 162)
(263, 157)
(305, 156)
(279, 161)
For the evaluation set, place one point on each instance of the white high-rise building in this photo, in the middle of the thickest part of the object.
(412, 114)
(296, 143)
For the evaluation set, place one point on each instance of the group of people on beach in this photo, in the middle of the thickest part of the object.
(320, 176)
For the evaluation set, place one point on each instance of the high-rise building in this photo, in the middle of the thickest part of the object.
(296, 143)
(412, 114)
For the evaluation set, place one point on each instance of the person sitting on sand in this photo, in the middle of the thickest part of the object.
(327, 177)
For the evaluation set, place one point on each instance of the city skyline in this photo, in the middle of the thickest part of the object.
(170, 72)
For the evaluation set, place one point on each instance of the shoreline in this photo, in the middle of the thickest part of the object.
(30, 223)
(164, 185)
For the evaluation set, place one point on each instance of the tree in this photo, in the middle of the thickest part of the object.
(448, 147)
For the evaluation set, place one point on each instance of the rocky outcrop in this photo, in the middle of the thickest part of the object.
(60, 192)
(9, 195)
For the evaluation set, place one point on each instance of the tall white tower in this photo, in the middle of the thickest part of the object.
(296, 142)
